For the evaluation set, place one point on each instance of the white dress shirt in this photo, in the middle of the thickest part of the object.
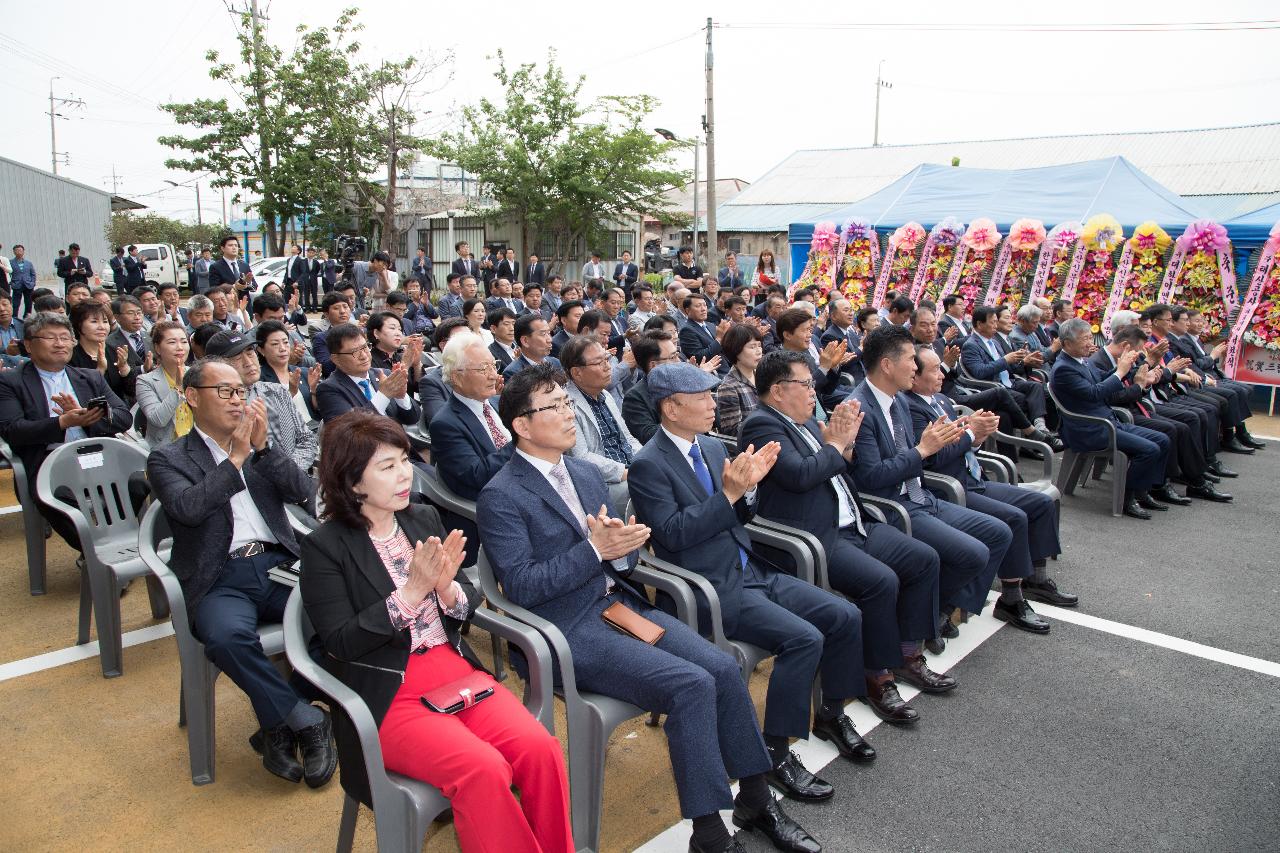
(248, 523)
(886, 409)
(476, 407)
(848, 511)
(685, 446)
(379, 399)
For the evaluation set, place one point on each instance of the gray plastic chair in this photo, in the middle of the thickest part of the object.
(884, 509)
(35, 529)
(196, 694)
(97, 472)
(1074, 463)
(945, 486)
(592, 717)
(403, 807)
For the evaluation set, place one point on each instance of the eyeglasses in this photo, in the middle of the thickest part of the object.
(360, 350)
(226, 392)
(559, 407)
(667, 359)
(597, 362)
(808, 383)
(482, 368)
(55, 339)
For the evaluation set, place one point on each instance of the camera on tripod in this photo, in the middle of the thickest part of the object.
(349, 251)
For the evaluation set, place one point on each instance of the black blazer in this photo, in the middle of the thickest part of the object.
(535, 273)
(71, 271)
(122, 386)
(500, 355)
(339, 394)
(27, 426)
(854, 368)
(221, 271)
(460, 267)
(510, 270)
(196, 496)
(344, 589)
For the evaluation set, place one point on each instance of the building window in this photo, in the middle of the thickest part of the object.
(424, 239)
(735, 244)
(624, 241)
(401, 244)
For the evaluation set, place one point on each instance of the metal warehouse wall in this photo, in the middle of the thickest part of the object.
(45, 212)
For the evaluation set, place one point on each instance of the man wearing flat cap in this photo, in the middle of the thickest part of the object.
(696, 503)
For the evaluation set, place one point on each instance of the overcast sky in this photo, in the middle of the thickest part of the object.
(780, 84)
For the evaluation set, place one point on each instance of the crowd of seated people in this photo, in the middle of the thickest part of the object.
(554, 408)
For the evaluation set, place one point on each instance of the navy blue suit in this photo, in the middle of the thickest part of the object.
(521, 362)
(1082, 389)
(1235, 393)
(854, 368)
(891, 577)
(804, 626)
(339, 394)
(466, 459)
(1031, 516)
(697, 341)
(433, 394)
(223, 271)
(970, 545)
(545, 563)
(119, 273)
(977, 359)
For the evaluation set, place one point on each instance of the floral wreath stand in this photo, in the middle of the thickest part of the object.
(1201, 275)
(1136, 284)
(1015, 265)
(857, 261)
(902, 257)
(936, 260)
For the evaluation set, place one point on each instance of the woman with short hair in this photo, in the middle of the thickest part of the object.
(736, 398)
(160, 397)
(380, 583)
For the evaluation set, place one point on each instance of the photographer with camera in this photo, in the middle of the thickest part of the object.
(374, 280)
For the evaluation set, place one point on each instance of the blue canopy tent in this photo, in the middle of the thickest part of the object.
(1252, 229)
(1052, 194)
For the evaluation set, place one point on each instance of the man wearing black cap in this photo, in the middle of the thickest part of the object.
(289, 433)
(695, 503)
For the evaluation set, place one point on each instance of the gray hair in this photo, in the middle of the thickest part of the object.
(38, 322)
(454, 352)
(1120, 319)
(195, 373)
(1074, 329)
(199, 302)
(1030, 312)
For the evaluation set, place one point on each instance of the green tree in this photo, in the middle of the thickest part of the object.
(566, 167)
(126, 228)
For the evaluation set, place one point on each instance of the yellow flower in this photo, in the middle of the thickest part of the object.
(1103, 233)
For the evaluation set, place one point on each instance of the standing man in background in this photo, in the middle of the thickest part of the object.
(136, 268)
(625, 274)
(22, 280)
(420, 271)
(119, 272)
(198, 280)
(229, 268)
(73, 268)
(534, 272)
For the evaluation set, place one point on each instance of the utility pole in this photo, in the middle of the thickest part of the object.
(880, 84)
(709, 121)
(224, 206)
(695, 199)
(264, 152)
(54, 115)
(115, 180)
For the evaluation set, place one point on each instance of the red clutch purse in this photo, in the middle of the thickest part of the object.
(457, 695)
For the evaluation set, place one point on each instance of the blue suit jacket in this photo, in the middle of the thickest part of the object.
(539, 552)
(700, 533)
(880, 468)
(855, 368)
(519, 363)
(339, 394)
(950, 459)
(977, 359)
(433, 394)
(463, 451)
(798, 491)
(696, 341)
(1082, 389)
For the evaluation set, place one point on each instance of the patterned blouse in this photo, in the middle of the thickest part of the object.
(425, 626)
(735, 400)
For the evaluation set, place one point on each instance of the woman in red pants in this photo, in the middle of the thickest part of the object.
(379, 583)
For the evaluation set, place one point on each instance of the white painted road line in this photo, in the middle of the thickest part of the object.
(48, 660)
(10, 510)
(1164, 641)
(817, 754)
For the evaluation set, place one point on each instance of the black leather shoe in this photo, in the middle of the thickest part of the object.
(916, 672)
(845, 737)
(1020, 615)
(1247, 440)
(1034, 455)
(1146, 502)
(1055, 443)
(1233, 445)
(793, 779)
(1048, 592)
(1132, 509)
(947, 628)
(1209, 476)
(935, 645)
(734, 846)
(1220, 470)
(319, 754)
(1207, 492)
(279, 749)
(1166, 494)
(783, 832)
(887, 704)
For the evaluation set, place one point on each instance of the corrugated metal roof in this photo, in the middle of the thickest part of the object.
(1220, 208)
(762, 217)
(1213, 161)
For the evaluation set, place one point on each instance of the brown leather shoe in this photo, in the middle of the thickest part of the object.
(916, 672)
(887, 704)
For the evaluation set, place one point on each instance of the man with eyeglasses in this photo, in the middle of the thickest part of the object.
(892, 578)
(129, 331)
(224, 487)
(603, 438)
(651, 349)
(43, 405)
(355, 384)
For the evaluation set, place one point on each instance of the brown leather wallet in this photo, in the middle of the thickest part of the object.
(626, 621)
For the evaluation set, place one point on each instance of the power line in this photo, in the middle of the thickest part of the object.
(1155, 27)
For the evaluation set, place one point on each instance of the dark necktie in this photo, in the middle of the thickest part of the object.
(704, 477)
(915, 491)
